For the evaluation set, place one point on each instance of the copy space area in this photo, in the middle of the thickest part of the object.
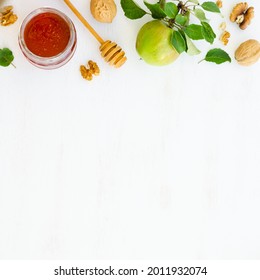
(142, 162)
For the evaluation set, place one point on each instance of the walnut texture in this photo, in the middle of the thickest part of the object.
(7, 16)
(93, 67)
(249, 15)
(88, 71)
(248, 52)
(224, 38)
(238, 10)
(242, 15)
(103, 10)
(219, 3)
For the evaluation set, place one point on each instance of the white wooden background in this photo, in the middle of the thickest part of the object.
(140, 163)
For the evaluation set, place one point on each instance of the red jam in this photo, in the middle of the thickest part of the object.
(47, 34)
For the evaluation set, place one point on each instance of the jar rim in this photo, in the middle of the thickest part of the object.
(57, 60)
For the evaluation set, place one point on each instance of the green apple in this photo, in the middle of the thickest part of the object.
(153, 43)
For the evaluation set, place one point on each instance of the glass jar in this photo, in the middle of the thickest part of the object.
(47, 38)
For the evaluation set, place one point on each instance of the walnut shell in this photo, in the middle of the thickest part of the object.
(248, 52)
(103, 10)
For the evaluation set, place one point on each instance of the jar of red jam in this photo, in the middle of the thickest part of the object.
(47, 38)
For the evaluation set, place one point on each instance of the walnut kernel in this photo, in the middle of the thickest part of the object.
(219, 3)
(224, 38)
(223, 26)
(93, 67)
(249, 15)
(7, 16)
(238, 10)
(240, 19)
(85, 73)
(242, 15)
(88, 71)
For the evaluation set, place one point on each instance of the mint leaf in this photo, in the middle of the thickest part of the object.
(178, 42)
(210, 7)
(217, 56)
(191, 48)
(200, 15)
(181, 20)
(171, 10)
(131, 9)
(156, 10)
(6, 57)
(194, 31)
(208, 32)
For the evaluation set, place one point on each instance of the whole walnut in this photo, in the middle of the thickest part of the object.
(103, 10)
(248, 52)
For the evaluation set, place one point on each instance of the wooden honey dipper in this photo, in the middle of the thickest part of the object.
(110, 51)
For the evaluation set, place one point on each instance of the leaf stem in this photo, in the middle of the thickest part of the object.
(172, 23)
(178, 26)
(191, 5)
(13, 65)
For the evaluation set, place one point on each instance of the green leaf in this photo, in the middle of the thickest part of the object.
(200, 15)
(162, 3)
(156, 10)
(194, 1)
(132, 10)
(170, 10)
(180, 19)
(194, 31)
(208, 32)
(6, 57)
(178, 42)
(217, 56)
(210, 7)
(191, 48)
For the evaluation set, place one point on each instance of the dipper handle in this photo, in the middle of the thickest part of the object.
(83, 20)
(110, 51)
